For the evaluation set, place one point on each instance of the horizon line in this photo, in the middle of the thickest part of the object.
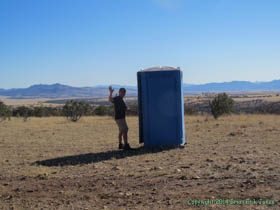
(57, 83)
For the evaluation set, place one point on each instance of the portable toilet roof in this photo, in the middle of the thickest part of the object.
(160, 68)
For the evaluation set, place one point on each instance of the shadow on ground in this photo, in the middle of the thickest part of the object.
(98, 157)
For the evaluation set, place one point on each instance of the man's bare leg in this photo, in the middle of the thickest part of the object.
(120, 137)
(126, 146)
(125, 137)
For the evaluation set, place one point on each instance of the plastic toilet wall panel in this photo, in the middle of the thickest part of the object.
(160, 101)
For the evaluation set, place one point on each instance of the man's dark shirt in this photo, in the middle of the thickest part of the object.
(120, 107)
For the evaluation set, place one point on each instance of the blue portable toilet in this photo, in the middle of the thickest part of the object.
(161, 106)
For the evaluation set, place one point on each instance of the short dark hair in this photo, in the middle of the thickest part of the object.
(122, 90)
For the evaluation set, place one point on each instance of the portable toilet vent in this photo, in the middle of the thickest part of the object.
(161, 106)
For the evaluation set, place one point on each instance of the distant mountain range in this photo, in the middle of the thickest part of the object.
(64, 91)
(59, 91)
(239, 86)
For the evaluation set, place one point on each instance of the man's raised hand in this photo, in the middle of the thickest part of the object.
(111, 89)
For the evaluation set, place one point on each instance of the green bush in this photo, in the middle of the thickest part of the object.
(74, 110)
(23, 111)
(268, 108)
(133, 109)
(111, 110)
(190, 110)
(221, 104)
(39, 111)
(101, 110)
(56, 111)
(5, 112)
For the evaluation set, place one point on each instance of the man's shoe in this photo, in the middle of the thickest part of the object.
(120, 146)
(127, 147)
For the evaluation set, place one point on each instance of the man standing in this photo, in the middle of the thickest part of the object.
(120, 109)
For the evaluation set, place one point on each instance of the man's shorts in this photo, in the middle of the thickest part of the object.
(122, 125)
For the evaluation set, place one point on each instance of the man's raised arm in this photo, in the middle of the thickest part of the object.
(110, 95)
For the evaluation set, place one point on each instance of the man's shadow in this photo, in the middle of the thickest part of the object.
(100, 156)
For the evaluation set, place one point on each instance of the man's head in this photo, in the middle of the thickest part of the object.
(122, 92)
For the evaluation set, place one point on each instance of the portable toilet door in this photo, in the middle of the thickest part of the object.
(161, 106)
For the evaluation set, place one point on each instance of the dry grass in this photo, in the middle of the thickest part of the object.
(267, 96)
(32, 102)
(23, 102)
(234, 157)
(270, 97)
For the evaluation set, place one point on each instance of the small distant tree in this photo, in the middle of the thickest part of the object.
(57, 111)
(132, 109)
(74, 110)
(5, 112)
(39, 112)
(23, 111)
(101, 110)
(111, 110)
(190, 110)
(221, 104)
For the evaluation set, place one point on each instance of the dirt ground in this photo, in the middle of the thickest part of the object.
(51, 163)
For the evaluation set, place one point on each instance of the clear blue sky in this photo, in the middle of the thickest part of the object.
(92, 42)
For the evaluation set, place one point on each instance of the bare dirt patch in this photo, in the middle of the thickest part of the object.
(51, 163)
